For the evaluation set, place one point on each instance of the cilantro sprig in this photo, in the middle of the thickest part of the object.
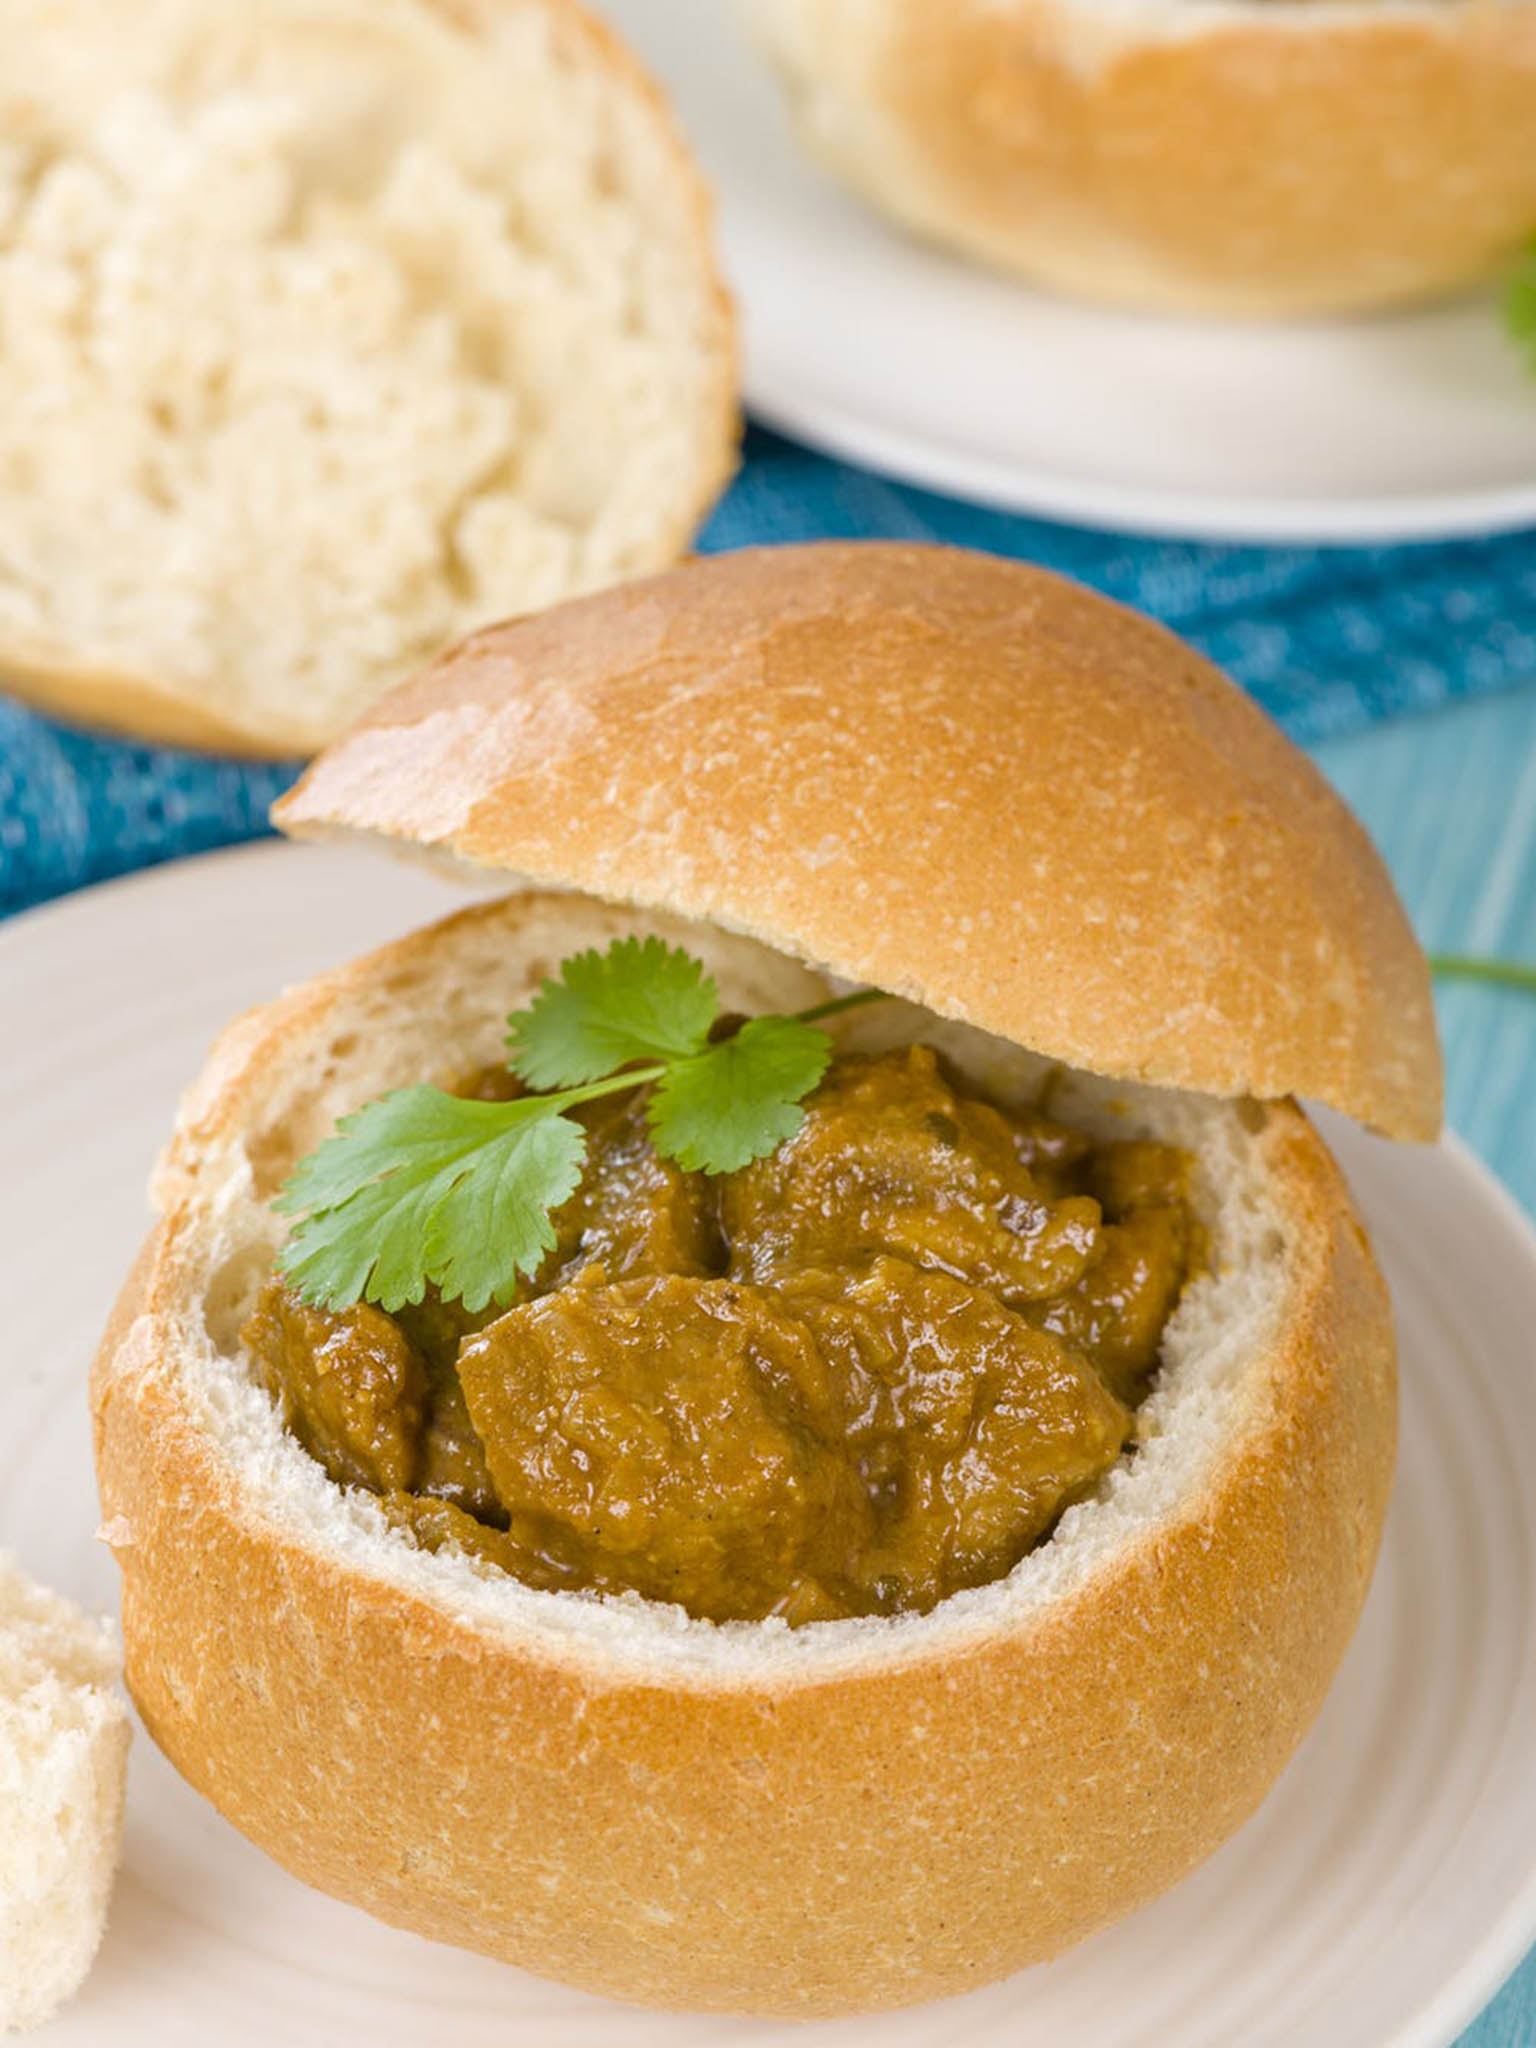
(1520, 304)
(423, 1187)
(641, 1000)
(1499, 973)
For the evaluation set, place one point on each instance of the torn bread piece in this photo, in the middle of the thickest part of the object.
(64, 1734)
(329, 332)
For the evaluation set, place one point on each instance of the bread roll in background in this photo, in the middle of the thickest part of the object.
(63, 1758)
(1225, 156)
(1050, 825)
(330, 329)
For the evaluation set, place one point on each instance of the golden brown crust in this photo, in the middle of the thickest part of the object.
(957, 778)
(804, 1845)
(79, 686)
(1281, 156)
(101, 697)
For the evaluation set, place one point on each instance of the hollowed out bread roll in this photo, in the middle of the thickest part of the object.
(1041, 822)
(746, 1817)
(330, 329)
(1234, 156)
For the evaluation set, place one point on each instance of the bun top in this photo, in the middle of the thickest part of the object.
(958, 778)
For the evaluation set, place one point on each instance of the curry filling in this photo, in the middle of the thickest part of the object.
(853, 1378)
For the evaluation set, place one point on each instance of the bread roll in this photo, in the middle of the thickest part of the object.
(742, 1817)
(1226, 156)
(330, 329)
(956, 777)
(1045, 824)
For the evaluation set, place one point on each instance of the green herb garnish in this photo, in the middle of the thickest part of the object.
(1502, 973)
(423, 1187)
(1520, 304)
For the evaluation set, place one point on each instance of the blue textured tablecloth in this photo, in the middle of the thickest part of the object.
(1329, 639)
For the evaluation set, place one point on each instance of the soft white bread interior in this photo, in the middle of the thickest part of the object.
(1230, 156)
(330, 329)
(63, 1758)
(748, 1817)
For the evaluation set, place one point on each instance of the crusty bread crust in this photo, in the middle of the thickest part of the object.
(952, 776)
(1233, 156)
(118, 688)
(54, 680)
(838, 1818)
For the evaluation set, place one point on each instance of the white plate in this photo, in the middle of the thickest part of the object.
(858, 339)
(1379, 1897)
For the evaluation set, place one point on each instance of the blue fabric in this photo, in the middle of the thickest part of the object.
(76, 808)
(1328, 639)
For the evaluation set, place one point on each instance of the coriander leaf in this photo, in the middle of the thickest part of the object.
(423, 1186)
(738, 1100)
(496, 1223)
(641, 1000)
(1520, 304)
(331, 1255)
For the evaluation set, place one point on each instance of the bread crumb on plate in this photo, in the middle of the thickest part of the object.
(64, 1734)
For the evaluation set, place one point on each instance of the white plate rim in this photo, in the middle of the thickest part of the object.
(1504, 1947)
(914, 459)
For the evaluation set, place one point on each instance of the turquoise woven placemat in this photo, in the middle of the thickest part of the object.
(1328, 639)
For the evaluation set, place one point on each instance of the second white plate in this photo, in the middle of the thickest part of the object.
(863, 341)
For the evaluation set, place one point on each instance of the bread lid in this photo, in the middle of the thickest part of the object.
(954, 777)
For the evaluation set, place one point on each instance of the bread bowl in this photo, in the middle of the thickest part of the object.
(329, 330)
(1264, 157)
(806, 761)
